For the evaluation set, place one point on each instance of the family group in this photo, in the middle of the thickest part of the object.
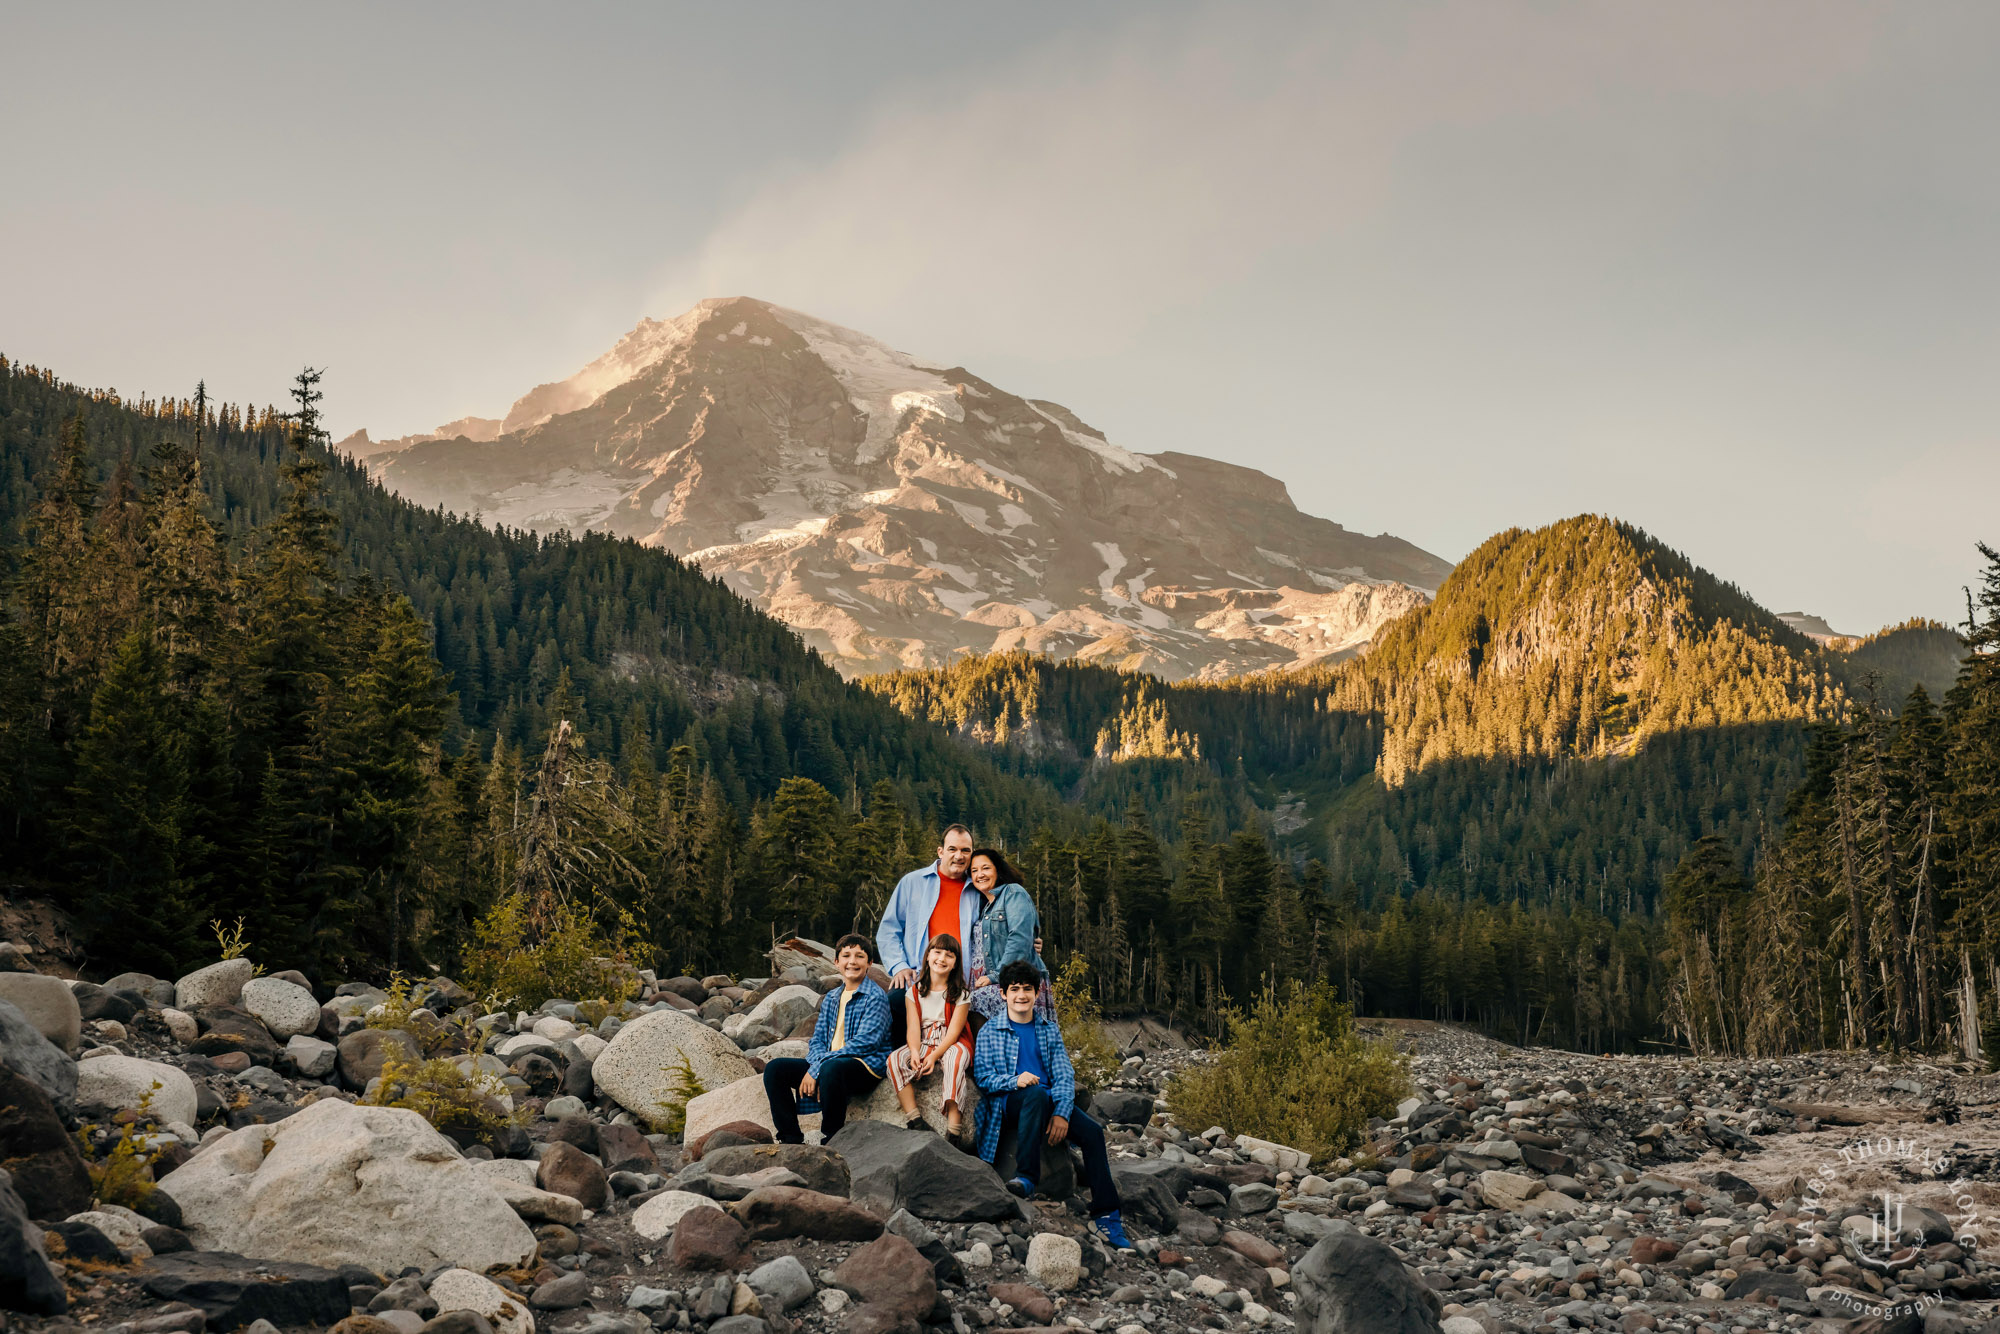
(986, 1014)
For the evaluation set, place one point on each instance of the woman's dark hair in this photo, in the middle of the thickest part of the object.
(1020, 973)
(954, 989)
(1003, 870)
(867, 945)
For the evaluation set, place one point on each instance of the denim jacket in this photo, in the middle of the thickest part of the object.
(1007, 928)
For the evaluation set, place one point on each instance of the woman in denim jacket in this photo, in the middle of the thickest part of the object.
(1003, 933)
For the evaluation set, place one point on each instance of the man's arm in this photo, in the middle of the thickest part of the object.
(889, 935)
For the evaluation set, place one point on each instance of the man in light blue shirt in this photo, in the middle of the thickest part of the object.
(904, 936)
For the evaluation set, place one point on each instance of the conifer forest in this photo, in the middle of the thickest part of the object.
(1591, 796)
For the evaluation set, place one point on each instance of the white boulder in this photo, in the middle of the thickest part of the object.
(1507, 1190)
(741, 1100)
(311, 1057)
(181, 1024)
(121, 1226)
(286, 1008)
(48, 1004)
(1054, 1261)
(463, 1290)
(638, 1067)
(343, 1184)
(509, 1048)
(656, 1218)
(126, 1081)
(217, 984)
(591, 1045)
(787, 1007)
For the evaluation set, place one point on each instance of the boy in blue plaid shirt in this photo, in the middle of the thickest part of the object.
(1023, 1069)
(845, 1059)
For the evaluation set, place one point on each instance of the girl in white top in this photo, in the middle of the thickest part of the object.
(936, 1020)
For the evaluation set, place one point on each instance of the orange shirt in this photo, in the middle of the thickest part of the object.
(944, 917)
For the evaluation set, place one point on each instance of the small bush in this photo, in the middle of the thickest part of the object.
(1090, 1049)
(1294, 1072)
(455, 1102)
(687, 1087)
(119, 1166)
(577, 958)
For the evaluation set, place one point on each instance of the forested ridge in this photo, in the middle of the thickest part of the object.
(238, 679)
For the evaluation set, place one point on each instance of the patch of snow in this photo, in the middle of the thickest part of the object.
(1014, 517)
(742, 327)
(1017, 480)
(958, 572)
(866, 556)
(1325, 581)
(1115, 460)
(973, 515)
(961, 604)
(930, 547)
(875, 376)
(1114, 562)
(1277, 558)
(1041, 607)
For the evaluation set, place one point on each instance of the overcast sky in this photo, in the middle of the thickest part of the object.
(1726, 270)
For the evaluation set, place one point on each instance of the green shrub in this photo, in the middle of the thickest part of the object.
(1295, 1072)
(119, 1166)
(450, 1099)
(576, 958)
(687, 1087)
(1090, 1049)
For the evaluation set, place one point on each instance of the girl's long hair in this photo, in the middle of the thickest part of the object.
(954, 987)
(1003, 870)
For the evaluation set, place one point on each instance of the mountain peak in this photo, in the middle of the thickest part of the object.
(898, 513)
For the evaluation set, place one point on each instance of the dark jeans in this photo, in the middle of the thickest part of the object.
(840, 1078)
(899, 1017)
(1027, 1118)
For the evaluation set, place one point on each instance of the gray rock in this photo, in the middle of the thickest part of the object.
(43, 1064)
(1254, 1198)
(1122, 1106)
(159, 995)
(47, 1004)
(739, 1324)
(1354, 1284)
(217, 984)
(782, 1283)
(562, 1294)
(311, 1057)
(893, 1169)
(27, 1283)
(1312, 1228)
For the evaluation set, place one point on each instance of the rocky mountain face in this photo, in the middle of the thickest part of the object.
(898, 515)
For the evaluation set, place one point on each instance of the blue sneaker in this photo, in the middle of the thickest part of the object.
(1021, 1187)
(1112, 1228)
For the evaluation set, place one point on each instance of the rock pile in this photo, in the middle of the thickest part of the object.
(1517, 1190)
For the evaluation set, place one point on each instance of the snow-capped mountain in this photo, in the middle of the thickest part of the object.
(898, 514)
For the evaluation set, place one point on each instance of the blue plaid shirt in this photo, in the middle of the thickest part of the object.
(867, 1035)
(996, 1064)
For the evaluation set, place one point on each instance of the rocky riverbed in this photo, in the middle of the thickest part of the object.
(1515, 1190)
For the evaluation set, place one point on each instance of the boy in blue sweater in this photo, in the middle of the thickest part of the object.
(1023, 1069)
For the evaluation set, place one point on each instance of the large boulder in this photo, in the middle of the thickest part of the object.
(343, 1184)
(121, 1082)
(158, 994)
(707, 1240)
(892, 1280)
(568, 1170)
(775, 1213)
(231, 1291)
(27, 1283)
(658, 1216)
(39, 1153)
(1354, 1284)
(1123, 1107)
(218, 984)
(1054, 1261)
(464, 1290)
(638, 1069)
(786, 1008)
(47, 1003)
(892, 1168)
(819, 1167)
(23, 1048)
(742, 1101)
(283, 1007)
(361, 1055)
